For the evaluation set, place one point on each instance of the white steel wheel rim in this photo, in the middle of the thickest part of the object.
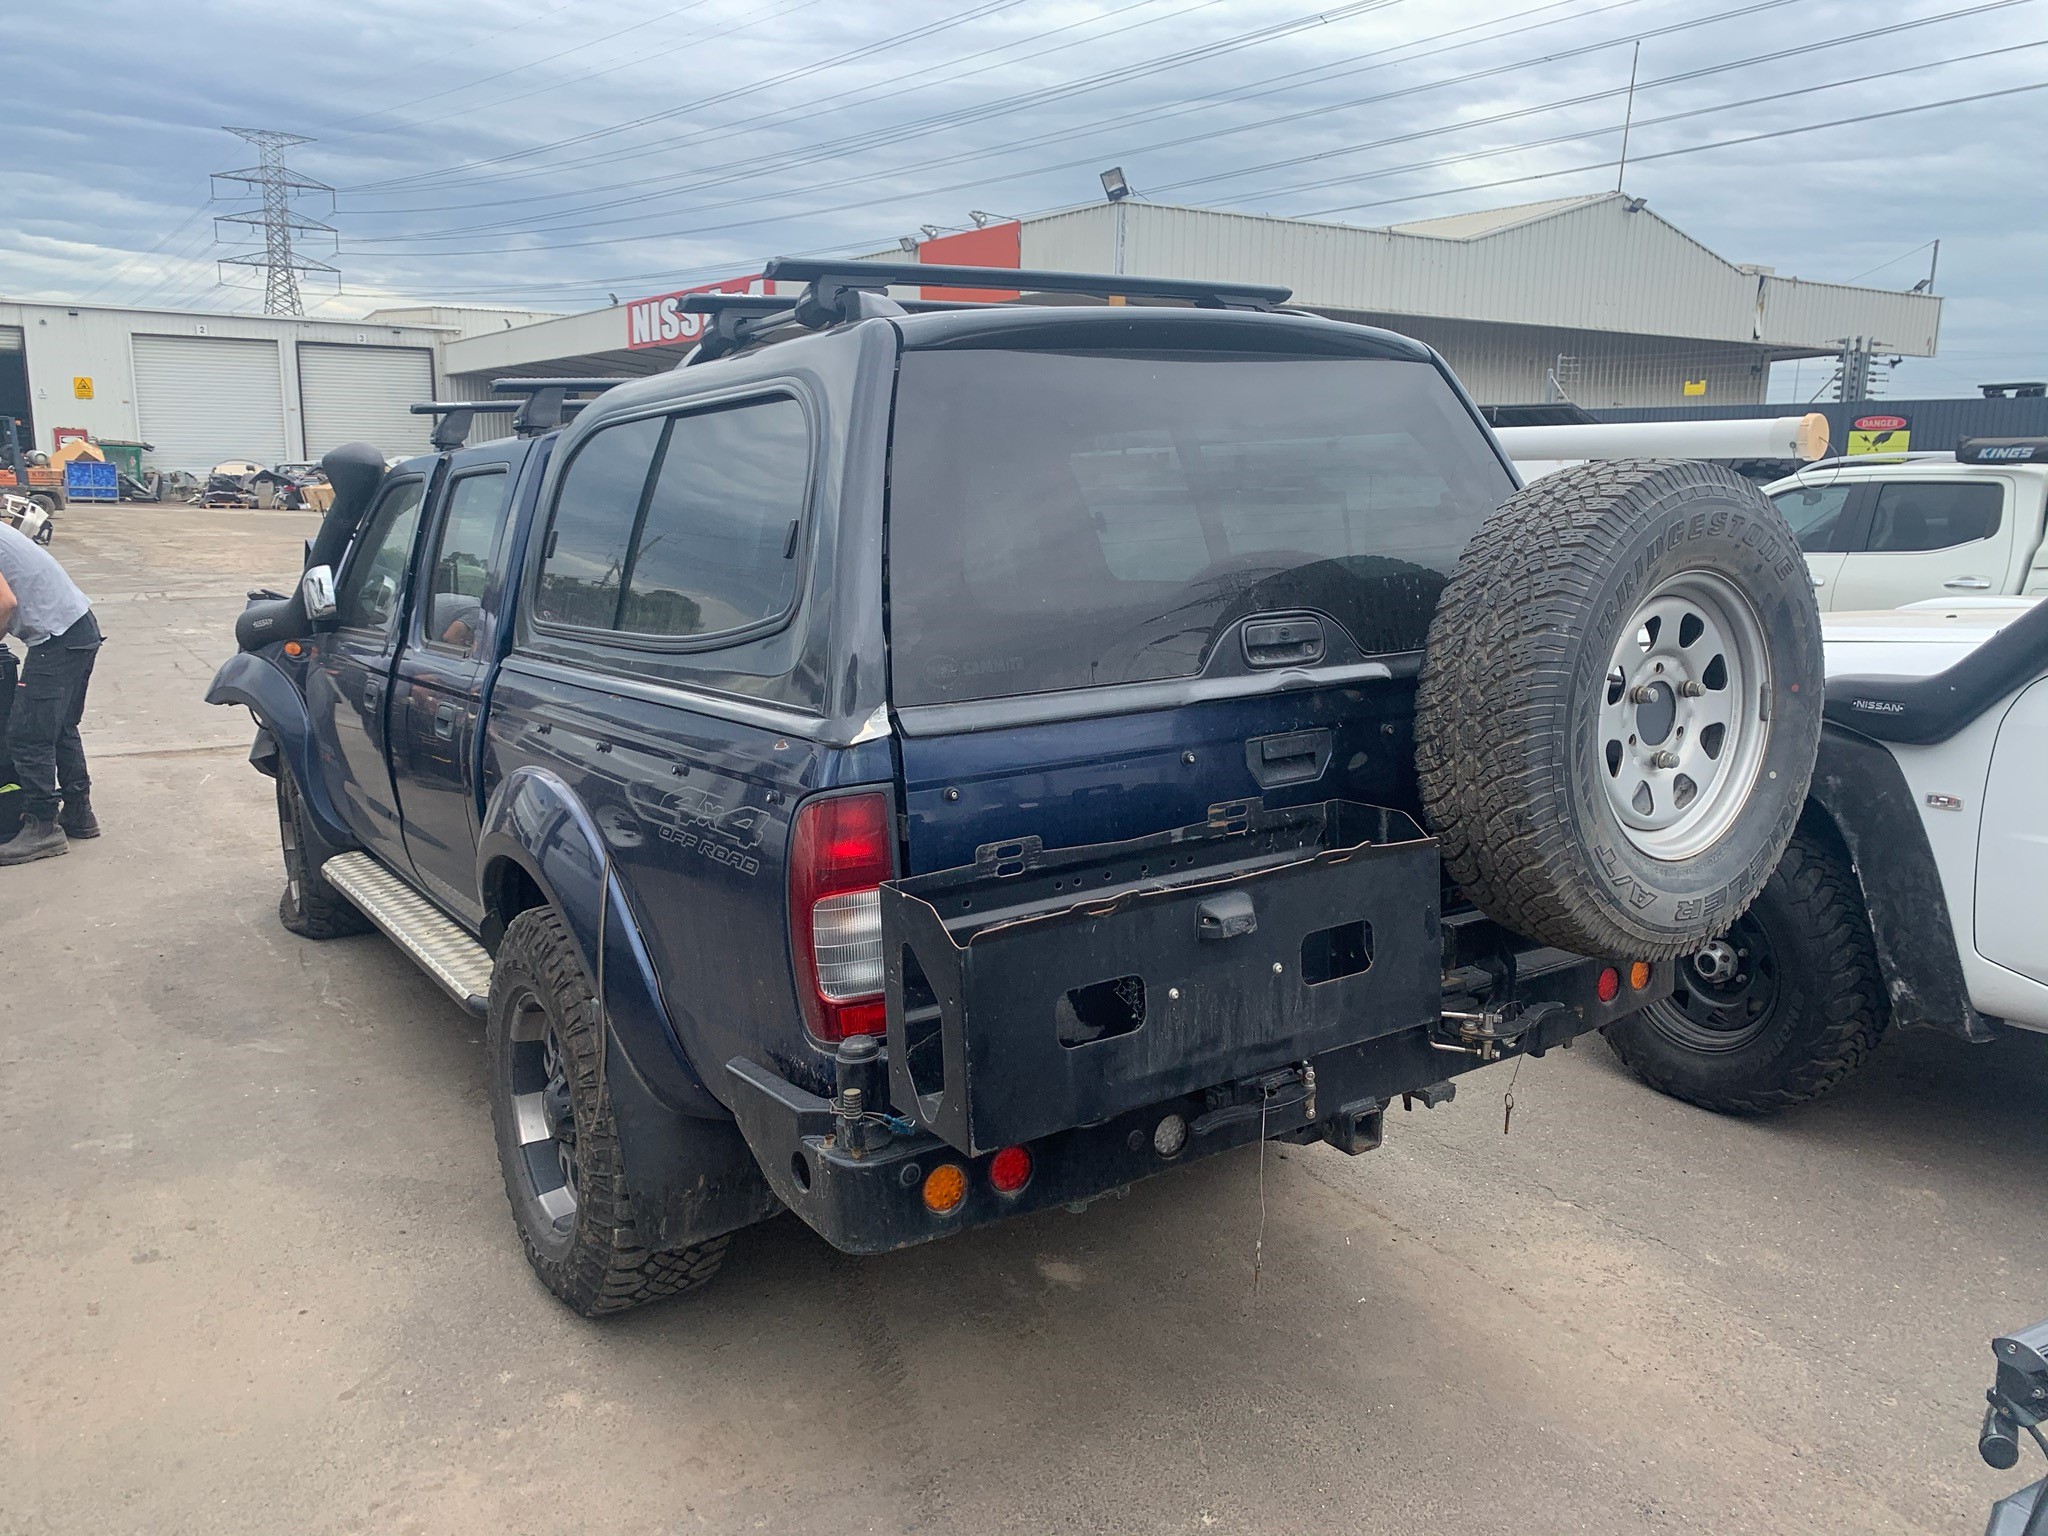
(1681, 728)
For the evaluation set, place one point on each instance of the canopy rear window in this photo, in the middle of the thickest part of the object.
(1065, 520)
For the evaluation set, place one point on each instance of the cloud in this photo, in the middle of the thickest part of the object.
(546, 152)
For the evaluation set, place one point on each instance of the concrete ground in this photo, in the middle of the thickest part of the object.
(259, 1274)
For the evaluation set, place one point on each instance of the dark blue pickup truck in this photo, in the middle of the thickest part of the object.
(918, 763)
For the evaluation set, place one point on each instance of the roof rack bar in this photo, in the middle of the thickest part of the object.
(761, 305)
(443, 407)
(572, 386)
(825, 275)
(1916, 455)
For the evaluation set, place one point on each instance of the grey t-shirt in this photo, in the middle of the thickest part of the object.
(49, 601)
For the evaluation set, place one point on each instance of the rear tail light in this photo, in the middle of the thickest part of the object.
(838, 859)
(1608, 987)
(1009, 1170)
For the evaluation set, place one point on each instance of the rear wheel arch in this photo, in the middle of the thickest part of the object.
(508, 889)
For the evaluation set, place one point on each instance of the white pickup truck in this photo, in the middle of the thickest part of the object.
(1883, 531)
(1914, 890)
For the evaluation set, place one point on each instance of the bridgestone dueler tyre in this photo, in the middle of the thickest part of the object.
(1794, 1006)
(309, 907)
(542, 1039)
(1580, 795)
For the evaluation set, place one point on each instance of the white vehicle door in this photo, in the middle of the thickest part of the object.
(1818, 516)
(2012, 848)
(1923, 539)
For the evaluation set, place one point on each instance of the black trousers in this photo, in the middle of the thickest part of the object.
(42, 732)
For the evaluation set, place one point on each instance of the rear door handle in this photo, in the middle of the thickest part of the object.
(1283, 642)
(1968, 584)
(444, 720)
(1818, 581)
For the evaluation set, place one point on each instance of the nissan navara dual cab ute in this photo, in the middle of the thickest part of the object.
(916, 764)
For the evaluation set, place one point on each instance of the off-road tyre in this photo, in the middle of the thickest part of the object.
(1826, 1014)
(309, 907)
(1516, 673)
(594, 1259)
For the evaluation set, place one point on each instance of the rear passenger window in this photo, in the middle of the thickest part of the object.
(716, 551)
(1912, 517)
(592, 530)
(462, 563)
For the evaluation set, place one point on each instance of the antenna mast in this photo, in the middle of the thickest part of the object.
(1628, 118)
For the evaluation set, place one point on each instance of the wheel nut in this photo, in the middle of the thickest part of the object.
(1639, 694)
(1690, 689)
(1664, 760)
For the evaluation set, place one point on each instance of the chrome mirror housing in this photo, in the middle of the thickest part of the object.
(316, 592)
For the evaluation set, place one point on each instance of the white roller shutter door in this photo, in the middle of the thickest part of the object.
(364, 395)
(205, 399)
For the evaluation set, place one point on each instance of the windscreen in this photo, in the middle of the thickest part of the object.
(1069, 520)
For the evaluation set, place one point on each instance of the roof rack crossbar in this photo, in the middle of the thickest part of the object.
(1916, 455)
(569, 386)
(824, 277)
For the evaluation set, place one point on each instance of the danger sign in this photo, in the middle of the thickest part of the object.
(1879, 434)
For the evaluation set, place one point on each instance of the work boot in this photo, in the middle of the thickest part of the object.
(39, 838)
(78, 821)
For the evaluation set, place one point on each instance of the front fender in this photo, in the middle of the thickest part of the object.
(536, 822)
(256, 681)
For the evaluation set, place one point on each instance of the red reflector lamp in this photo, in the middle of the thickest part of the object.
(1009, 1170)
(1608, 987)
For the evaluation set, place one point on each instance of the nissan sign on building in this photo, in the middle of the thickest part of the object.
(661, 322)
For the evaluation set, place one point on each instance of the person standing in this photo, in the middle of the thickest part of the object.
(42, 607)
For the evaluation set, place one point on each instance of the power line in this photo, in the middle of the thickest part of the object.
(1923, 245)
(975, 13)
(1694, 149)
(982, 182)
(922, 128)
(1775, 56)
(455, 90)
(1450, 160)
(122, 270)
(786, 117)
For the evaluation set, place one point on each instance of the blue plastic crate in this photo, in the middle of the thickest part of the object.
(88, 480)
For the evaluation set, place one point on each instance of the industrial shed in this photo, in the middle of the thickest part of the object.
(202, 387)
(1596, 299)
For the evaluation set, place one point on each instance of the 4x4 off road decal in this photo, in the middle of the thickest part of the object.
(703, 822)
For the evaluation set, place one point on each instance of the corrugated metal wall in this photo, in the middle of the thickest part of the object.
(1514, 364)
(1593, 267)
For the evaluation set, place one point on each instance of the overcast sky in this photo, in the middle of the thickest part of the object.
(548, 153)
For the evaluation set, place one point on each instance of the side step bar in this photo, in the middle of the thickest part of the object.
(435, 941)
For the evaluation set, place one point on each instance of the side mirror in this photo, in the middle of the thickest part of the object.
(316, 592)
